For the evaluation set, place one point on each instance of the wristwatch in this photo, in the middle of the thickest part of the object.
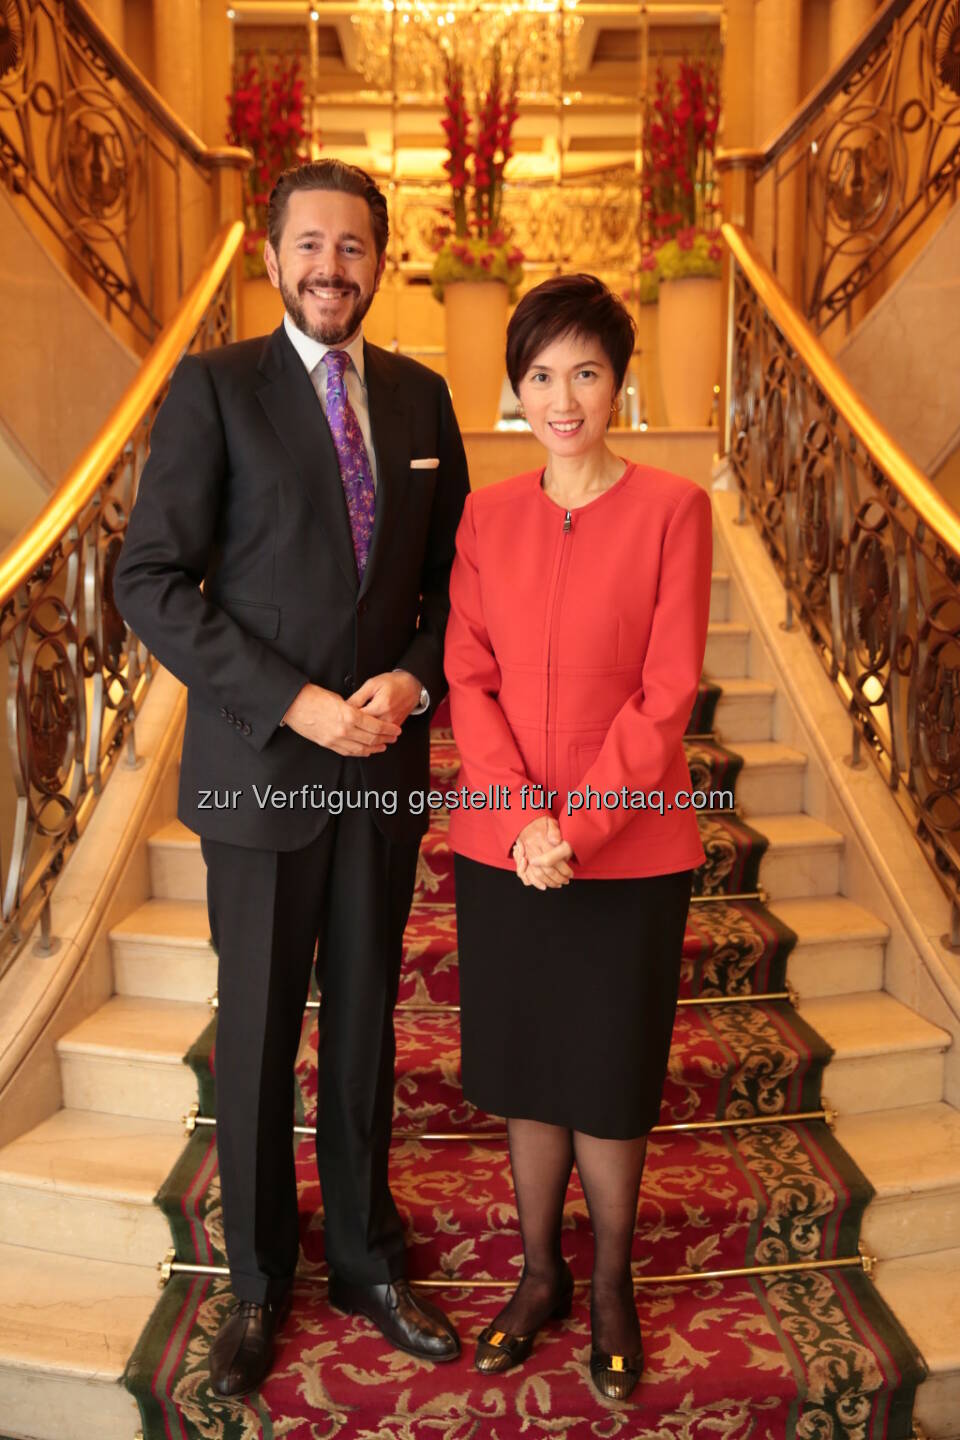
(424, 696)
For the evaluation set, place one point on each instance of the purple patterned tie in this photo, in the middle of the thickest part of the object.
(355, 469)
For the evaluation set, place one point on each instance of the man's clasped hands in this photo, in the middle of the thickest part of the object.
(368, 720)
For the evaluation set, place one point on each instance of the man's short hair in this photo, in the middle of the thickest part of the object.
(328, 174)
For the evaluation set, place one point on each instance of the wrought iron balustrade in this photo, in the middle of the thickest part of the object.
(102, 159)
(868, 551)
(75, 676)
(872, 151)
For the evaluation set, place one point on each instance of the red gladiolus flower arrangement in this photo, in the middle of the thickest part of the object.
(470, 242)
(266, 117)
(679, 205)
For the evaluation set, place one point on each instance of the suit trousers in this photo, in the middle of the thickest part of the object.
(346, 895)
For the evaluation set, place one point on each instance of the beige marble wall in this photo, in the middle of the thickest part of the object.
(178, 75)
(23, 490)
(738, 76)
(66, 368)
(903, 358)
(110, 13)
(776, 72)
(848, 20)
(216, 40)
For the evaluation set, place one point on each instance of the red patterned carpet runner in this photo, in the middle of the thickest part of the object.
(790, 1355)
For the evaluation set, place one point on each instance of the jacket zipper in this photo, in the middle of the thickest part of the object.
(567, 527)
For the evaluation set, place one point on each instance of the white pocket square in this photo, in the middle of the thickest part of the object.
(430, 464)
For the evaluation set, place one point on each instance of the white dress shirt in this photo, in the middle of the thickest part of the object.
(312, 353)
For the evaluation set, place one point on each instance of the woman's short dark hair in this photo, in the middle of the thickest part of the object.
(327, 174)
(569, 305)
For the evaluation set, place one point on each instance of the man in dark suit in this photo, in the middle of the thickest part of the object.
(312, 484)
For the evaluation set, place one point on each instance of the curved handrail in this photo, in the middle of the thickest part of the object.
(206, 156)
(26, 554)
(915, 487)
(76, 674)
(867, 550)
(880, 26)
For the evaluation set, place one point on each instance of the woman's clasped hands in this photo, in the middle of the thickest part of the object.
(542, 854)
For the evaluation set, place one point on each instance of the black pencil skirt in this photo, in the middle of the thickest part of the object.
(568, 996)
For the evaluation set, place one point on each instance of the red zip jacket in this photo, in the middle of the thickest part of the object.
(574, 650)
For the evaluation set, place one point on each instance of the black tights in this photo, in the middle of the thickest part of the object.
(542, 1157)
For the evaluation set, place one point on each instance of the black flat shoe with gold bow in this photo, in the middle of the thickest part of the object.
(615, 1376)
(498, 1350)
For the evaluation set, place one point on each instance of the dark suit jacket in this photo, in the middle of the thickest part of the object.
(242, 493)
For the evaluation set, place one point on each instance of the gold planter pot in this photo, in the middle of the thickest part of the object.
(688, 330)
(475, 314)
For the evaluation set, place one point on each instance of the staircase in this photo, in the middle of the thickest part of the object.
(81, 1234)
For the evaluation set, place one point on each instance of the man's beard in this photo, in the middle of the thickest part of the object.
(329, 334)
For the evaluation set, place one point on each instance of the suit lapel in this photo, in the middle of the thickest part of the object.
(290, 401)
(388, 425)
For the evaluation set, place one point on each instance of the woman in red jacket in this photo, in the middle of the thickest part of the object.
(579, 601)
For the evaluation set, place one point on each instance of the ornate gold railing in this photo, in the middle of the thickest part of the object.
(870, 153)
(75, 676)
(130, 193)
(867, 550)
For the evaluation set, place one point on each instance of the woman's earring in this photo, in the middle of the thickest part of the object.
(521, 415)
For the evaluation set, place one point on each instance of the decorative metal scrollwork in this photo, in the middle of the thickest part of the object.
(12, 49)
(89, 154)
(877, 156)
(876, 590)
(946, 48)
(75, 674)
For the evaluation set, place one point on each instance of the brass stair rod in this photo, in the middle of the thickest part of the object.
(191, 1121)
(427, 1009)
(169, 1267)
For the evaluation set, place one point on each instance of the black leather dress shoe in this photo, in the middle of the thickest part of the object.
(407, 1321)
(242, 1349)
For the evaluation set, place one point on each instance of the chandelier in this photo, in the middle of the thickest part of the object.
(403, 45)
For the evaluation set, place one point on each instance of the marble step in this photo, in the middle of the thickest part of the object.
(803, 858)
(886, 1055)
(67, 1326)
(162, 949)
(177, 871)
(127, 1058)
(744, 710)
(728, 649)
(911, 1156)
(82, 1183)
(720, 595)
(840, 945)
(772, 778)
(924, 1293)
